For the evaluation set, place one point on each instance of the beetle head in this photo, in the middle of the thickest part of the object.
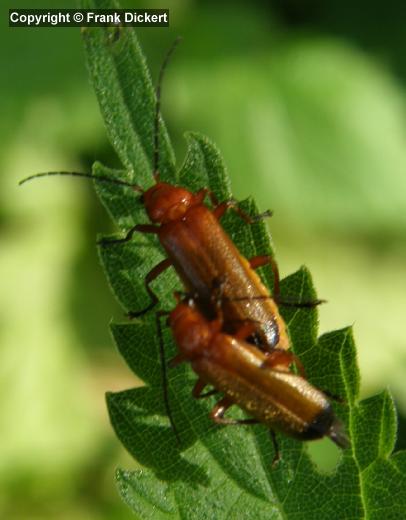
(166, 203)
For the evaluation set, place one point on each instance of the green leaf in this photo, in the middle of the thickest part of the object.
(127, 102)
(220, 472)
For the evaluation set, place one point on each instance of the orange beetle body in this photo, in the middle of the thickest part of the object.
(201, 251)
(266, 389)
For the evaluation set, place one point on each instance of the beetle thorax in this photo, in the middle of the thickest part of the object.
(166, 203)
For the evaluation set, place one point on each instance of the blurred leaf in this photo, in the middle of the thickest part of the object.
(221, 472)
(318, 129)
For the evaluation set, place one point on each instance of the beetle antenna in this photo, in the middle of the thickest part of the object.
(165, 388)
(103, 178)
(158, 107)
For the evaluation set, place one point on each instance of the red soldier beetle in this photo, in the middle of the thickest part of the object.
(200, 250)
(262, 385)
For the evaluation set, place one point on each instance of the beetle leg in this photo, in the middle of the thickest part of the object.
(259, 261)
(177, 360)
(201, 194)
(246, 330)
(217, 414)
(154, 273)
(279, 357)
(165, 388)
(141, 228)
(300, 305)
(220, 209)
(209, 393)
(199, 387)
(277, 456)
(262, 216)
(276, 290)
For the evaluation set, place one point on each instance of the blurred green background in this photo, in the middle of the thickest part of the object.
(306, 101)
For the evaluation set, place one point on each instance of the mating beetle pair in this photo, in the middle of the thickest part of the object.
(240, 344)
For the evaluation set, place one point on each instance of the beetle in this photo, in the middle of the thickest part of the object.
(200, 250)
(262, 385)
